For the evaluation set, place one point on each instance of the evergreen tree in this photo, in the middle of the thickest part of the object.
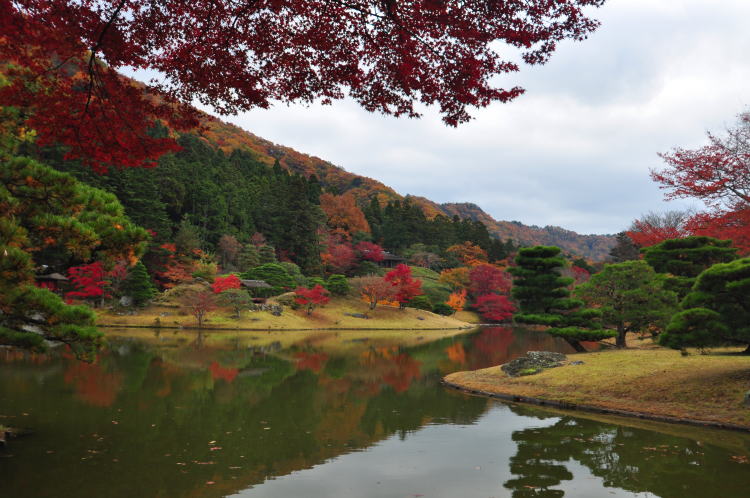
(684, 259)
(543, 298)
(248, 258)
(338, 285)
(186, 240)
(51, 218)
(266, 254)
(624, 249)
(274, 275)
(716, 311)
(138, 285)
(631, 297)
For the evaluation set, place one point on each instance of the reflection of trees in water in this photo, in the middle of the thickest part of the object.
(635, 460)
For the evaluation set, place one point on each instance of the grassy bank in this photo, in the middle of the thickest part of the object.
(661, 382)
(335, 315)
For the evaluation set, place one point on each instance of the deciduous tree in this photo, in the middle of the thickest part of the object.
(199, 303)
(719, 175)
(374, 289)
(220, 284)
(386, 55)
(317, 296)
(457, 300)
(494, 307)
(486, 279)
(407, 287)
(343, 216)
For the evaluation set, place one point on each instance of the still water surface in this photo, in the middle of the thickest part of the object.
(173, 415)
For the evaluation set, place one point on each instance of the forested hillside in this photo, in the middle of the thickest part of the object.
(229, 137)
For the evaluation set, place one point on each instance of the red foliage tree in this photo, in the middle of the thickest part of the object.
(340, 256)
(494, 307)
(654, 228)
(221, 284)
(719, 175)
(407, 287)
(89, 280)
(370, 251)
(486, 278)
(63, 55)
(317, 296)
(580, 275)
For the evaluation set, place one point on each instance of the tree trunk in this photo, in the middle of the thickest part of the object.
(620, 340)
(747, 350)
(576, 345)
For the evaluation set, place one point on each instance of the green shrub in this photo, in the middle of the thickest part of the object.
(420, 303)
(442, 309)
(338, 285)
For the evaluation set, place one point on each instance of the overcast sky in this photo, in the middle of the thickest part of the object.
(575, 151)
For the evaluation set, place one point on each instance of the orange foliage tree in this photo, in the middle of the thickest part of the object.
(374, 289)
(468, 253)
(344, 218)
(457, 278)
(457, 300)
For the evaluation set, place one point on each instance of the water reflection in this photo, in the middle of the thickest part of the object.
(178, 416)
(631, 459)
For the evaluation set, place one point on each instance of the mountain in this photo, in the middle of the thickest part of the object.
(228, 137)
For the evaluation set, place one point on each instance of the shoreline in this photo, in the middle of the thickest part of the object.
(567, 406)
(281, 329)
(649, 384)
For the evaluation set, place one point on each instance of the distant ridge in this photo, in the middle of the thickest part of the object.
(228, 137)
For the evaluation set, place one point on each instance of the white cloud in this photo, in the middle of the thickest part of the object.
(576, 149)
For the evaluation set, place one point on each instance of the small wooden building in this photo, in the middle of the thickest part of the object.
(390, 260)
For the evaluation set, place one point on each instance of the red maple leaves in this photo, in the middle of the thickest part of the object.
(89, 280)
(494, 307)
(236, 56)
(220, 284)
(406, 286)
(317, 296)
(719, 175)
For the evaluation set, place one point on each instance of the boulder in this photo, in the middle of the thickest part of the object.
(533, 362)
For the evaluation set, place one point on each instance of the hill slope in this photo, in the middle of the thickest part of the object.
(229, 137)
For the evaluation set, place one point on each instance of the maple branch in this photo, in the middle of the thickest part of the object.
(95, 49)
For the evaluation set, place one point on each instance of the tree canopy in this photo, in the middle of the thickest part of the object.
(631, 297)
(51, 220)
(684, 259)
(716, 311)
(387, 55)
(543, 298)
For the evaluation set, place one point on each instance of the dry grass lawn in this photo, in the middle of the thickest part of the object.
(655, 381)
(335, 315)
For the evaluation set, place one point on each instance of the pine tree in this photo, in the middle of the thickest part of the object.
(51, 218)
(266, 254)
(684, 259)
(249, 258)
(543, 298)
(624, 249)
(138, 285)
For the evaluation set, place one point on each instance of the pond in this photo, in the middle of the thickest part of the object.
(163, 414)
